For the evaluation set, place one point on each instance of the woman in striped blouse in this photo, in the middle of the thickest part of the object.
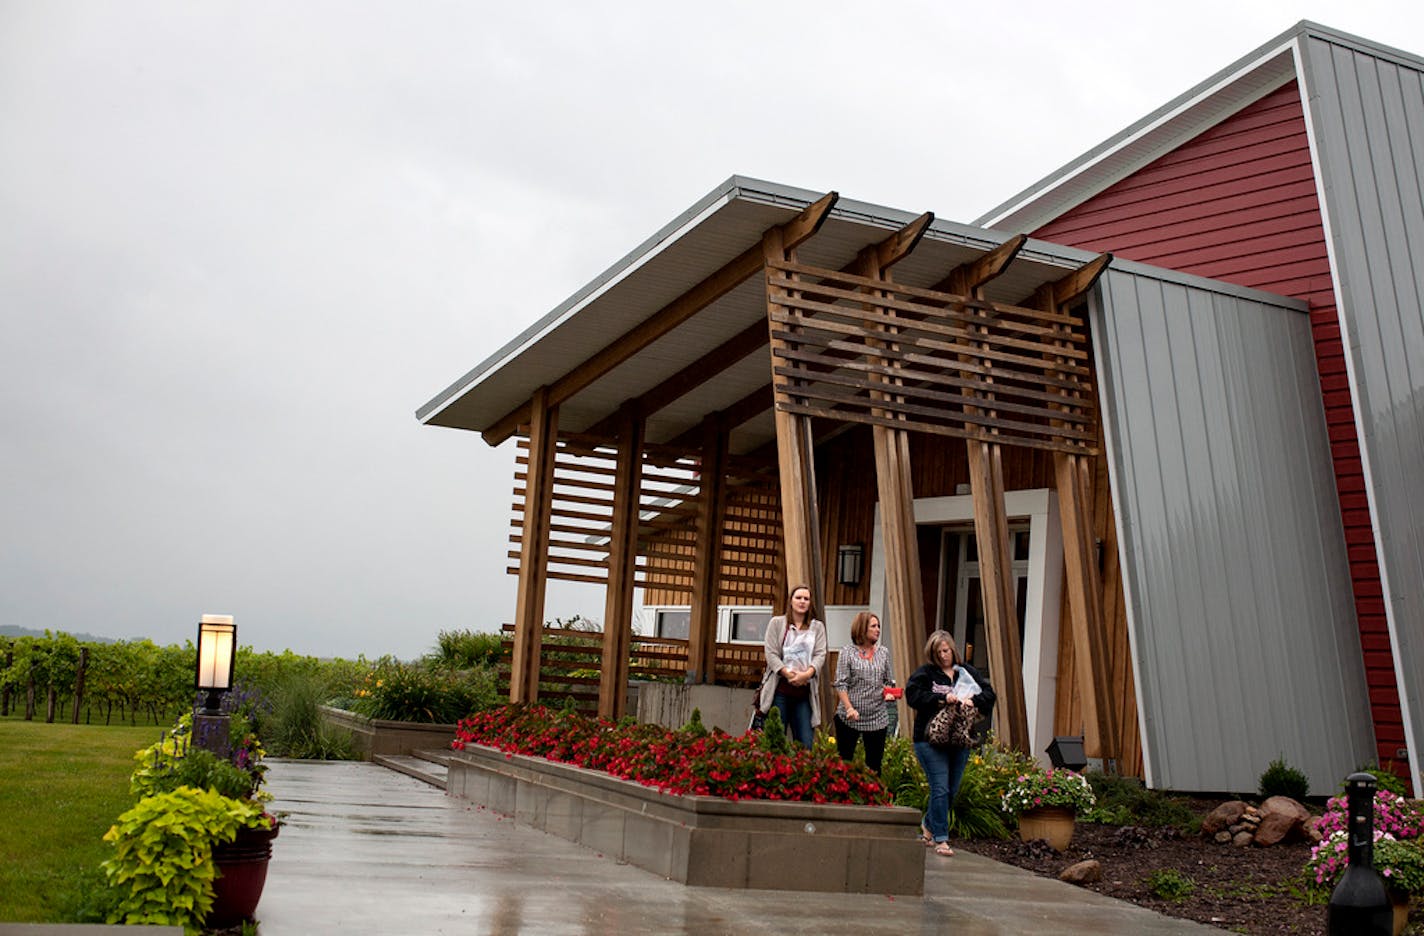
(862, 673)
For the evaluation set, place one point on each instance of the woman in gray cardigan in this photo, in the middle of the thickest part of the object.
(795, 653)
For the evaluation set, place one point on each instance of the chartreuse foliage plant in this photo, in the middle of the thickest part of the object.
(162, 861)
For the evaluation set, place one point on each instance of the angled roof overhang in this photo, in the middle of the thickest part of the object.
(716, 230)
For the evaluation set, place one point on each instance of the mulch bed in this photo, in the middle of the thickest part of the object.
(1244, 890)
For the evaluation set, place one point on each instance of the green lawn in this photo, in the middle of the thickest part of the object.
(61, 787)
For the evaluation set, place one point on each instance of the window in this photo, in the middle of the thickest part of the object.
(749, 626)
(674, 623)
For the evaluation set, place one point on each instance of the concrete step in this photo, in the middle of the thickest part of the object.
(439, 756)
(429, 771)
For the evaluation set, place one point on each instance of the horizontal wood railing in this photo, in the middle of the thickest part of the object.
(570, 661)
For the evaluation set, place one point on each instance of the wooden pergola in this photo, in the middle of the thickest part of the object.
(840, 346)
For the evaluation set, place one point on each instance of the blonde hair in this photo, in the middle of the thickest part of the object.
(860, 627)
(937, 638)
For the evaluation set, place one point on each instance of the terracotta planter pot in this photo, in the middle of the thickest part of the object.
(242, 871)
(1053, 824)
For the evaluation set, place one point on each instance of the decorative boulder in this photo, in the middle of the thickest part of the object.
(1084, 872)
(1281, 816)
(1222, 817)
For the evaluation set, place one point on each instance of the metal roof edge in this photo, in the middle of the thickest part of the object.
(1193, 281)
(1225, 77)
(1306, 28)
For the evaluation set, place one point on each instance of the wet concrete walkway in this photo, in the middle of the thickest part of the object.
(367, 850)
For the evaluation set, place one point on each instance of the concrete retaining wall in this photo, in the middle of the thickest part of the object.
(671, 705)
(701, 840)
(373, 736)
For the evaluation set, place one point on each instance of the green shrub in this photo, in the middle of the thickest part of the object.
(466, 649)
(1170, 884)
(295, 727)
(1281, 779)
(1125, 801)
(975, 812)
(418, 693)
(774, 739)
(902, 775)
(162, 863)
(1385, 779)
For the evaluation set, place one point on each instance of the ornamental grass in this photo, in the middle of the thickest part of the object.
(689, 761)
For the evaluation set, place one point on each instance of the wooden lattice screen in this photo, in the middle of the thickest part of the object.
(870, 351)
(668, 499)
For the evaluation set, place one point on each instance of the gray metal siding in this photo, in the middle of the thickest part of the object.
(1366, 111)
(1240, 609)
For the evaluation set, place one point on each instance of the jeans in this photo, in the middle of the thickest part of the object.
(846, 736)
(796, 714)
(944, 768)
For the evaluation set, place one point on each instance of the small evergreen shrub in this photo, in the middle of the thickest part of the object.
(774, 739)
(1281, 779)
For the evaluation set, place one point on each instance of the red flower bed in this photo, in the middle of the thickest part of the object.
(689, 761)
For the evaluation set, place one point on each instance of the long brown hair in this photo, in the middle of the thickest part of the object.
(811, 614)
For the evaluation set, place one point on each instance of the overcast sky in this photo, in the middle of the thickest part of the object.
(241, 243)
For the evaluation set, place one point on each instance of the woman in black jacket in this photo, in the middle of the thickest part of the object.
(932, 687)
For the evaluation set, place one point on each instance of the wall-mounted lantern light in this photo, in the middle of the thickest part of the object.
(850, 563)
(217, 648)
(1067, 752)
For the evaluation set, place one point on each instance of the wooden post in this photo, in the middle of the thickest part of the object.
(904, 590)
(30, 696)
(534, 550)
(793, 455)
(79, 684)
(991, 531)
(5, 690)
(707, 554)
(1074, 483)
(996, 583)
(622, 563)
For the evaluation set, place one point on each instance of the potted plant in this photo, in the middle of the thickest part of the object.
(163, 854)
(1046, 804)
(194, 849)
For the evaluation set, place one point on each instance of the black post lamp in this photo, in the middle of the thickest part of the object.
(217, 648)
(850, 563)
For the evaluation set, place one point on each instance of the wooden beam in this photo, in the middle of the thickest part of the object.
(534, 552)
(707, 554)
(968, 277)
(898, 246)
(670, 316)
(714, 362)
(1080, 280)
(622, 566)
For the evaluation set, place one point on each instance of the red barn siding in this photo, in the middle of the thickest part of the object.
(1238, 203)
